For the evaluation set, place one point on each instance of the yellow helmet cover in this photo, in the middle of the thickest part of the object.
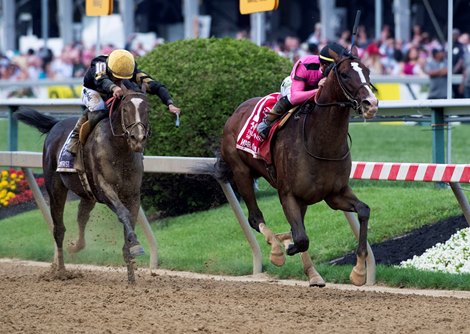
(121, 64)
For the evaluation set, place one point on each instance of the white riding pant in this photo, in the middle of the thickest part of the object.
(92, 100)
(286, 87)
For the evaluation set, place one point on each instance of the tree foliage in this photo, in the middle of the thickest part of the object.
(208, 79)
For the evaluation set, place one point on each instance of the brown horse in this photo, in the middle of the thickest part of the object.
(112, 159)
(311, 162)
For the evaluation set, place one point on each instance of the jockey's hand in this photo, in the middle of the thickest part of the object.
(117, 92)
(174, 109)
(321, 83)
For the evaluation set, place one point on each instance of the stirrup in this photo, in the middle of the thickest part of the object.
(264, 132)
(66, 162)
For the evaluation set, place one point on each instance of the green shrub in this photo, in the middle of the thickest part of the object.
(208, 79)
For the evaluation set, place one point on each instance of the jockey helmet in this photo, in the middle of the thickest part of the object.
(121, 64)
(325, 56)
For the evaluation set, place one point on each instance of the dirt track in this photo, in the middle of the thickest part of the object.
(102, 302)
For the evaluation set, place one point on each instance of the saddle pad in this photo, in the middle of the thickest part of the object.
(248, 139)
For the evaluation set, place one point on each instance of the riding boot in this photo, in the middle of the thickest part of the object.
(94, 117)
(282, 106)
(72, 144)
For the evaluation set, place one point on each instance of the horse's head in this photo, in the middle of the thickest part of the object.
(353, 77)
(133, 117)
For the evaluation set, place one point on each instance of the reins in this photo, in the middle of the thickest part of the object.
(317, 156)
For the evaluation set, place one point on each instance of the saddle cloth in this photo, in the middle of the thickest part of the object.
(248, 139)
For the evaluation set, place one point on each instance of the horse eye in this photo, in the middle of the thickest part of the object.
(344, 75)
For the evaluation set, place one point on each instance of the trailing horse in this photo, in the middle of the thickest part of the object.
(311, 162)
(113, 168)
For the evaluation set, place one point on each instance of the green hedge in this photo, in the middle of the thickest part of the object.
(208, 79)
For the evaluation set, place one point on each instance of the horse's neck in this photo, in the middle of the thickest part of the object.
(327, 127)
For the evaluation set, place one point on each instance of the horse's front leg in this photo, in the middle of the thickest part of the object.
(131, 247)
(314, 278)
(347, 201)
(295, 213)
(127, 214)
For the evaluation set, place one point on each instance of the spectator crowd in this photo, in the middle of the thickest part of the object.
(423, 55)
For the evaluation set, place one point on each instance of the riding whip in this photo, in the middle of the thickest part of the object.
(177, 122)
(354, 32)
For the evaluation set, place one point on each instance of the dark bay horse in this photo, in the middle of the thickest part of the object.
(112, 158)
(311, 162)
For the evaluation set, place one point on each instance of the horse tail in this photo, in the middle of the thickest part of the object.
(222, 171)
(34, 118)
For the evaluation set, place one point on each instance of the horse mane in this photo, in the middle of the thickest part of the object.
(132, 86)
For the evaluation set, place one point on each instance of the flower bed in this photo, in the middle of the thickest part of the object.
(14, 189)
(453, 256)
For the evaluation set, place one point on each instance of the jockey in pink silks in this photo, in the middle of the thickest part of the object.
(307, 76)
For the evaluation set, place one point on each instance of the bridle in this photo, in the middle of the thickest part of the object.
(126, 129)
(351, 100)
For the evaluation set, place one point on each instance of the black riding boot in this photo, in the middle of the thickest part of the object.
(282, 106)
(94, 117)
(72, 144)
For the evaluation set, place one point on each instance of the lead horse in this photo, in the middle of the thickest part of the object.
(311, 162)
(113, 161)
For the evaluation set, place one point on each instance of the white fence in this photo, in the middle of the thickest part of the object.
(437, 109)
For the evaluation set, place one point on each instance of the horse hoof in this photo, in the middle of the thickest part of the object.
(317, 283)
(277, 259)
(358, 277)
(137, 250)
(292, 250)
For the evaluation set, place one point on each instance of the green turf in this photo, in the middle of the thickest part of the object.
(213, 242)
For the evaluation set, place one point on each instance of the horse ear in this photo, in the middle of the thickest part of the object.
(144, 87)
(354, 51)
(123, 87)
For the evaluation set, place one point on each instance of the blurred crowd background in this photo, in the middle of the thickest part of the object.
(384, 56)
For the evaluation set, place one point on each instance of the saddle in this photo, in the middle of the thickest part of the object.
(249, 140)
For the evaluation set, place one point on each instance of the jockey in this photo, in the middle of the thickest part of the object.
(307, 76)
(101, 82)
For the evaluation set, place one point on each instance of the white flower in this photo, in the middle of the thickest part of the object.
(451, 257)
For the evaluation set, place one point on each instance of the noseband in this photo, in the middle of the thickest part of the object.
(126, 129)
(352, 102)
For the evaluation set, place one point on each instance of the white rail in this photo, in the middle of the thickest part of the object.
(152, 164)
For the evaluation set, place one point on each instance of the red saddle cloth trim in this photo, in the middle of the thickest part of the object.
(249, 139)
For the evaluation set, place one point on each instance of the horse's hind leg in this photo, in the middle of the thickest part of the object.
(83, 215)
(314, 278)
(57, 198)
(347, 201)
(244, 181)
